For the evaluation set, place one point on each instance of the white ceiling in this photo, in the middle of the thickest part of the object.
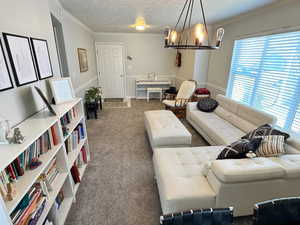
(117, 15)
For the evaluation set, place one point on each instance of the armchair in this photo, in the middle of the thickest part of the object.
(178, 105)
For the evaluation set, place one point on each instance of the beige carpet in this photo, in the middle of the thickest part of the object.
(118, 187)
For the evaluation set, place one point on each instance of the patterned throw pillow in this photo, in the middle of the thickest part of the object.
(272, 145)
(265, 130)
(207, 104)
(240, 148)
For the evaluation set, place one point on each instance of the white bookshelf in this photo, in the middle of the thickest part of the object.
(33, 128)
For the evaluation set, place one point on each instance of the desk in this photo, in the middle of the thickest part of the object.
(142, 85)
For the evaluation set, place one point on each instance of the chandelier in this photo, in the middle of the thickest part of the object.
(188, 38)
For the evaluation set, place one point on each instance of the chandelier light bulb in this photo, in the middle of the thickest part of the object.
(173, 37)
(199, 34)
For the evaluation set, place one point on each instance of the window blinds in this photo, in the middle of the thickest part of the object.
(265, 74)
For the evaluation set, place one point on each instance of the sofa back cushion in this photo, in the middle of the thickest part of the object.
(235, 120)
(240, 115)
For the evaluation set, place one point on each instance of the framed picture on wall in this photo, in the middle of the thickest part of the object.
(42, 58)
(21, 59)
(83, 60)
(5, 79)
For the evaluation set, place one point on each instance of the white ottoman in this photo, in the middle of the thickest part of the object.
(165, 130)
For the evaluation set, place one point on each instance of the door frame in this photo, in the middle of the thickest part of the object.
(97, 44)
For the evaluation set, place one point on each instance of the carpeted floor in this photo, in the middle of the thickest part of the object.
(118, 187)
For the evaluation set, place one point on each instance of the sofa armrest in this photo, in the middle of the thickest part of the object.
(192, 106)
(246, 170)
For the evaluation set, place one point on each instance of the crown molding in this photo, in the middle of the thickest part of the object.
(252, 13)
(73, 18)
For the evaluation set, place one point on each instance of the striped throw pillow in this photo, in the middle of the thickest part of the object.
(272, 145)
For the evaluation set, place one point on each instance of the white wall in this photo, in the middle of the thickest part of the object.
(32, 18)
(27, 18)
(148, 53)
(285, 15)
(77, 35)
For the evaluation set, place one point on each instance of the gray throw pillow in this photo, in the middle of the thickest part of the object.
(207, 105)
(265, 130)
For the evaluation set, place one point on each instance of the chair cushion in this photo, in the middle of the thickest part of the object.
(170, 103)
(179, 176)
(207, 105)
(272, 145)
(186, 89)
(219, 130)
(240, 148)
(246, 170)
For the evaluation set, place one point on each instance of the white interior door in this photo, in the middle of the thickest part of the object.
(111, 70)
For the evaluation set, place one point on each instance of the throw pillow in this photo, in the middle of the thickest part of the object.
(240, 148)
(207, 105)
(265, 130)
(272, 145)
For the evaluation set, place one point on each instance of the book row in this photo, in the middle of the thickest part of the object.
(77, 135)
(33, 203)
(27, 160)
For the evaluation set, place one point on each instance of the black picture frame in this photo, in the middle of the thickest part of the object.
(30, 62)
(8, 72)
(35, 54)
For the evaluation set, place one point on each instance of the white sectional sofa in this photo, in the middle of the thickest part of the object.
(192, 178)
(186, 181)
(228, 123)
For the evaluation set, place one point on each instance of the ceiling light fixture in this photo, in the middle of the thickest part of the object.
(140, 24)
(187, 38)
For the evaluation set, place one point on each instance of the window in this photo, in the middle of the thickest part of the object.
(265, 74)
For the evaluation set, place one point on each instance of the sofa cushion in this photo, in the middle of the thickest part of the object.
(265, 130)
(220, 131)
(254, 116)
(235, 120)
(179, 176)
(240, 148)
(246, 170)
(227, 103)
(290, 163)
(207, 104)
(272, 145)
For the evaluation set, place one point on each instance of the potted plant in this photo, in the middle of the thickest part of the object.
(93, 95)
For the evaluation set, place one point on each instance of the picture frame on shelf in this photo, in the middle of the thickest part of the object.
(83, 60)
(42, 58)
(5, 78)
(21, 58)
(43, 97)
(62, 90)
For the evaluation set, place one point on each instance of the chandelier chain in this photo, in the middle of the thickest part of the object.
(182, 11)
(204, 21)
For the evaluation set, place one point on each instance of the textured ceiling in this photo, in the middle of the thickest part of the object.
(117, 15)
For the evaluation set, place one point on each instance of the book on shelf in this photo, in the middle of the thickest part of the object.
(30, 208)
(68, 117)
(75, 174)
(27, 160)
(82, 157)
(76, 136)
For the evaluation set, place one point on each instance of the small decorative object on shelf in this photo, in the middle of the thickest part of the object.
(17, 138)
(11, 192)
(35, 163)
(4, 131)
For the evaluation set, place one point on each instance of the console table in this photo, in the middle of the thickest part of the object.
(142, 85)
